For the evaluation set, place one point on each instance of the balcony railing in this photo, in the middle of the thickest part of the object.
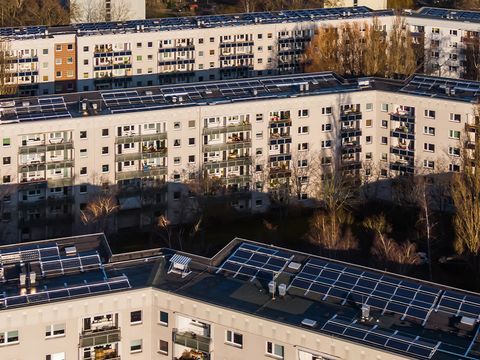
(138, 174)
(99, 337)
(351, 115)
(350, 132)
(238, 161)
(404, 117)
(158, 153)
(351, 148)
(402, 150)
(403, 167)
(125, 139)
(228, 128)
(234, 145)
(403, 133)
(33, 149)
(192, 341)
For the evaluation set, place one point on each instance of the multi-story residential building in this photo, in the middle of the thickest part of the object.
(107, 10)
(71, 298)
(372, 4)
(255, 140)
(92, 56)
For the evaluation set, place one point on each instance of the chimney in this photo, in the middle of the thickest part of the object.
(33, 278)
(282, 289)
(23, 279)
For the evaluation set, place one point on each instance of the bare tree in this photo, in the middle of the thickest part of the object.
(472, 56)
(6, 85)
(465, 192)
(96, 11)
(99, 210)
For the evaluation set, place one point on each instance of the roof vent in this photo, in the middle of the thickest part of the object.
(71, 251)
(272, 287)
(282, 289)
(309, 322)
(33, 278)
(23, 279)
(148, 93)
(467, 321)
(25, 103)
(179, 265)
(254, 92)
(365, 312)
(294, 265)
(2, 274)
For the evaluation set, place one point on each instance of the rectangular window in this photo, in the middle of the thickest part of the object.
(163, 347)
(164, 318)
(7, 160)
(429, 130)
(83, 171)
(429, 147)
(104, 132)
(303, 129)
(454, 134)
(105, 168)
(136, 317)
(8, 337)
(455, 117)
(6, 142)
(384, 140)
(368, 123)
(234, 338)
(326, 144)
(303, 113)
(83, 152)
(55, 330)
(385, 107)
(327, 110)
(384, 124)
(56, 356)
(368, 139)
(429, 164)
(327, 127)
(83, 134)
(191, 123)
(191, 141)
(275, 350)
(105, 150)
(453, 151)
(430, 114)
(369, 107)
(302, 147)
(136, 346)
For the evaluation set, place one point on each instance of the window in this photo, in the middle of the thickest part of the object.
(191, 123)
(384, 140)
(234, 338)
(303, 129)
(139, 44)
(176, 142)
(455, 117)
(428, 164)
(83, 134)
(69, 60)
(105, 150)
(303, 113)
(150, 44)
(454, 167)
(136, 346)
(191, 158)
(45, 51)
(164, 318)
(105, 168)
(435, 30)
(454, 134)
(302, 163)
(269, 35)
(258, 151)
(259, 135)
(163, 347)
(368, 156)
(55, 330)
(176, 160)
(369, 107)
(430, 114)
(429, 147)
(326, 127)
(200, 41)
(56, 356)
(326, 144)
(136, 317)
(429, 130)
(177, 125)
(58, 61)
(6, 179)
(384, 107)
(368, 123)
(453, 151)
(327, 110)
(8, 337)
(453, 32)
(83, 189)
(58, 47)
(275, 350)
(104, 132)
(83, 152)
(212, 39)
(368, 139)
(191, 141)
(83, 170)
(6, 142)
(302, 147)
(7, 160)
(139, 57)
(58, 74)
(259, 117)
(85, 48)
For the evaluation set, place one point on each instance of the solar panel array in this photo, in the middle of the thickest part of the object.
(131, 100)
(71, 263)
(450, 14)
(411, 344)
(433, 86)
(108, 285)
(22, 32)
(382, 292)
(255, 261)
(27, 253)
(209, 21)
(44, 109)
(458, 304)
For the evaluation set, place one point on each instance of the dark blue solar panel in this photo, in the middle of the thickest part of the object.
(397, 308)
(52, 266)
(231, 266)
(99, 288)
(320, 289)
(79, 291)
(248, 271)
(416, 313)
(299, 283)
(117, 285)
(58, 294)
(397, 344)
(16, 300)
(420, 351)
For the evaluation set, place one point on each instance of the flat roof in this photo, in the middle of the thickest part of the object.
(411, 317)
(80, 104)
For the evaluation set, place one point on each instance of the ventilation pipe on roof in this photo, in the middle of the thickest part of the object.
(272, 288)
(33, 278)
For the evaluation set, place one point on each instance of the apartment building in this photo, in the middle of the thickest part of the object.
(253, 141)
(171, 50)
(372, 4)
(107, 10)
(70, 298)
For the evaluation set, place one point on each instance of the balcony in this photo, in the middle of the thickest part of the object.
(350, 115)
(403, 116)
(403, 167)
(32, 149)
(280, 172)
(280, 121)
(402, 150)
(60, 182)
(233, 145)
(99, 337)
(403, 133)
(233, 161)
(126, 139)
(347, 132)
(351, 148)
(193, 341)
(138, 174)
(227, 129)
(146, 154)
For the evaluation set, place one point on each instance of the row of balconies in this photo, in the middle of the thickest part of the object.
(219, 129)
(145, 154)
(39, 146)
